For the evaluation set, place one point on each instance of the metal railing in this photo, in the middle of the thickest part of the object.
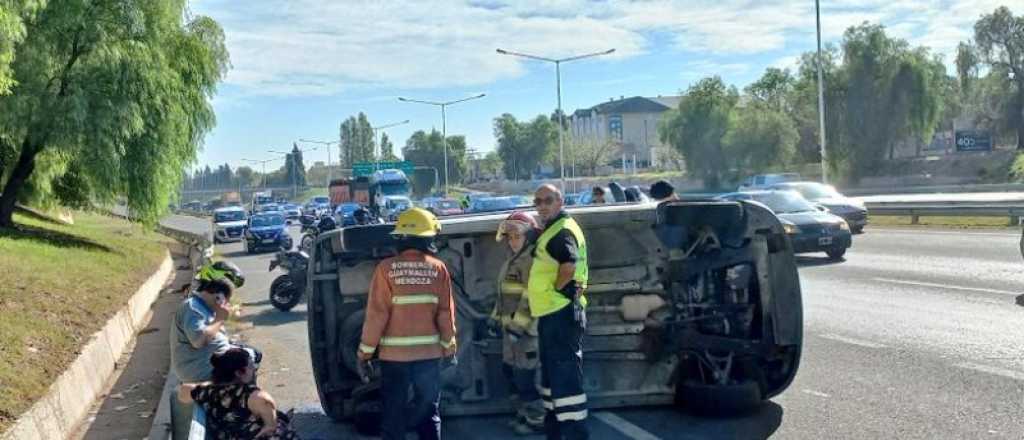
(1013, 210)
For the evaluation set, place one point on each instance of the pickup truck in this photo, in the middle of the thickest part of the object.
(692, 303)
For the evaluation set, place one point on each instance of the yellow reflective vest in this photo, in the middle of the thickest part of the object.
(544, 297)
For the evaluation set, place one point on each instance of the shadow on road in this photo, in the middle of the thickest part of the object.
(268, 317)
(265, 302)
(804, 261)
(669, 423)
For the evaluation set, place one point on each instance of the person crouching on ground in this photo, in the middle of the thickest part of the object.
(512, 316)
(237, 409)
(410, 325)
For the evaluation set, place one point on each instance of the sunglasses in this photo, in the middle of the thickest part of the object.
(543, 201)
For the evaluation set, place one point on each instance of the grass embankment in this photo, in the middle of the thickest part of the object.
(59, 285)
(945, 222)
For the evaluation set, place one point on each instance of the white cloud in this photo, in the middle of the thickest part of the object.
(310, 47)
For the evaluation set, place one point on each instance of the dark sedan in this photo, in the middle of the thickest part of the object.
(851, 210)
(267, 231)
(810, 228)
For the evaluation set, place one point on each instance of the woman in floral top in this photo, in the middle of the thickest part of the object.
(236, 409)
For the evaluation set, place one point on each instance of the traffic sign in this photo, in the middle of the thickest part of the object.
(367, 168)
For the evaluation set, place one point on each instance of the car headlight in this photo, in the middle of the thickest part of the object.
(790, 228)
(844, 226)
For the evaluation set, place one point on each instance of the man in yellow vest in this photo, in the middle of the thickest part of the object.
(410, 325)
(555, 289)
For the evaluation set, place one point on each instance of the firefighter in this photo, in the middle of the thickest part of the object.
(512, 316)
(558, 278)
(410, 326)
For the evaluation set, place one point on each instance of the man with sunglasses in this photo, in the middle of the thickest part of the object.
(555, 288)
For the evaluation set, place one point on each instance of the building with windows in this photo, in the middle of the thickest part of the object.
(630, 123)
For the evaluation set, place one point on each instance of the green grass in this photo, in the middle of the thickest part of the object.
(59, 285)
(948, 222)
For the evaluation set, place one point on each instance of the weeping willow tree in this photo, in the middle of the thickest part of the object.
(109, 98)
(891, 93)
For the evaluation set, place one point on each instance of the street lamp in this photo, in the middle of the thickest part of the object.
(821, 99)
(264, 164)
(327, 146)
(295, 172)
(444, 130)
(558, 90)
(393, 124)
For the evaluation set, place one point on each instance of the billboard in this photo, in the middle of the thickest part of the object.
(973, 140)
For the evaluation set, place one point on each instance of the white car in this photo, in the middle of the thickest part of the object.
(228, 224)
(761, 181)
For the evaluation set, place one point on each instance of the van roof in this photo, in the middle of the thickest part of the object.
(229, 209)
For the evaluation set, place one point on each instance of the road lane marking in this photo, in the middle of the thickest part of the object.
(1017, 375)
(624, 426)
(946, 286)
(815, 393)
(853, 341)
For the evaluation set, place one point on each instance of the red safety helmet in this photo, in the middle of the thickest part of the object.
(518, 219)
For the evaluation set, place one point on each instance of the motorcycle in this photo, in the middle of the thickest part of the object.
(286, 291)
(309, 231)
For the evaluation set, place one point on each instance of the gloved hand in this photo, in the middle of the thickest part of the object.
(493, 327)
(579, 313)
(363, 369)
(569, 290)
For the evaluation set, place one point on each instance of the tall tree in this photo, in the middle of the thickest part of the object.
(759, 138)
(524, 146)
(356, 143)
(427, 150)
(891, 95)
(1000, 41)
(698, 126)
(14, 14)
(117, 92)
(774, 88)
(592, 153)
(387, 149)
(294, 168)
(245, 177)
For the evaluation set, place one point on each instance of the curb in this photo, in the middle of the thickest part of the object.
(70, 397)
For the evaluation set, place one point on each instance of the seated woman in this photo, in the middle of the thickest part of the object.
(236, 409)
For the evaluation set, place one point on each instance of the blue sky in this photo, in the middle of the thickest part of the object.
(302, 66)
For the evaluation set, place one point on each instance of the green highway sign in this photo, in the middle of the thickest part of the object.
(367, 168)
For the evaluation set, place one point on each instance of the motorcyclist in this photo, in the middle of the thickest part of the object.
(512, 317)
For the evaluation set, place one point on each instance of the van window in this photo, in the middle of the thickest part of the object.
(759, 180)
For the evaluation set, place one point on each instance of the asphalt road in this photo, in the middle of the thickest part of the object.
(915, 335)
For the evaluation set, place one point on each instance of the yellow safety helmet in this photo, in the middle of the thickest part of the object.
(417, 222)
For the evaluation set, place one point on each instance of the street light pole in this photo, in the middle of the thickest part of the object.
(821, 99)
(444, 128)
(264, 164)
(558, 91)
(376, 156)
(295, 171)
(327, 146)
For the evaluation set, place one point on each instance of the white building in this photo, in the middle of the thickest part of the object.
(631, 123)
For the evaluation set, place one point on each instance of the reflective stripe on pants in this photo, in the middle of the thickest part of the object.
(561, 352)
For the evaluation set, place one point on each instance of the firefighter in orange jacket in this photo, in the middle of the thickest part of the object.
(410, 325)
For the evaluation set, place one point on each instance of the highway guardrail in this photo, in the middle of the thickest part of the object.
(1013, 210)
